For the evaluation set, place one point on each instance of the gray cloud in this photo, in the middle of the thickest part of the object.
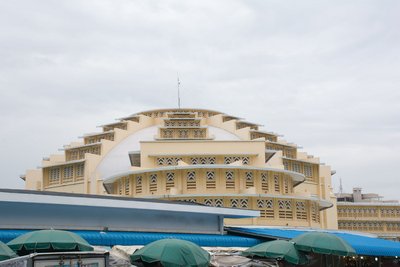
(326, 75)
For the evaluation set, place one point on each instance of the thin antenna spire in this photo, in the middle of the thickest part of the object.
(340, 188)
(179, 94)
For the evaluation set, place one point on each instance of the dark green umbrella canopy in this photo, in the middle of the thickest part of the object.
(277, 249)
(6, 252)
(48, 240)
(172, 253)
(323, 243)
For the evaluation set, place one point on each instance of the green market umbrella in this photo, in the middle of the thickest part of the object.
(6, 252)
(278, 249)
(172, 253)
(323, 243)
(49, 240)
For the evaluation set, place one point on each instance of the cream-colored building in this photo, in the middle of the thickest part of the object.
(196, 155)
(369, 213)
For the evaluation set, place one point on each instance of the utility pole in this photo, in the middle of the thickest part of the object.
(340, 188)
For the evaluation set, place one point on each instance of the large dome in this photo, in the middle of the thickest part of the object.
(196, 155)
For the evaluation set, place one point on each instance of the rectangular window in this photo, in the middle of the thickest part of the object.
(277, 185)
(153, 183)
(266, 207)
(308, 170)
(315, 216)
(127, 186)
(79, 171)
(286, 164)
(286, 185)
(301, 211)
(285, 209)
(229, 180)
(289, 153)
(119, 184)
(74, 155)
(68, 174)
(54, 176)
(123, 186)
(139, 182)
(264, 182)
(210, 180)
(249, 179)
(296, 167)
(191, 180)
(170, 180)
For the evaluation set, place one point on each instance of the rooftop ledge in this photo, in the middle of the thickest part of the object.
(283, 144)
(266, 132)
(323, 204)
(68, 147)
(244, 154)
(297, 177)
(55, 164)
(182, 119)
(204, 140)
(173, 110)
(95, 134)
(340, 203)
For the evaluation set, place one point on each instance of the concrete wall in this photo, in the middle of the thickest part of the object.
(254, 148)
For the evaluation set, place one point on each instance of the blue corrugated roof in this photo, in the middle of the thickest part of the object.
(97, 238)
(363, 245)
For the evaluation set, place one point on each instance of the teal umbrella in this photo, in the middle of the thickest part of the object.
(48, 240)
(172, 253)
(278, 249)
(6, 252)
(323, 243)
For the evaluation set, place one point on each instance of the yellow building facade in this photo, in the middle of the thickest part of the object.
(196, 155)
(369, 213)
(382, 219)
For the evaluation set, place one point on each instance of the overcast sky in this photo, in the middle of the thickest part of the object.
(325, 74)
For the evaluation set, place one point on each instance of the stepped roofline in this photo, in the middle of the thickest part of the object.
(177, 110)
